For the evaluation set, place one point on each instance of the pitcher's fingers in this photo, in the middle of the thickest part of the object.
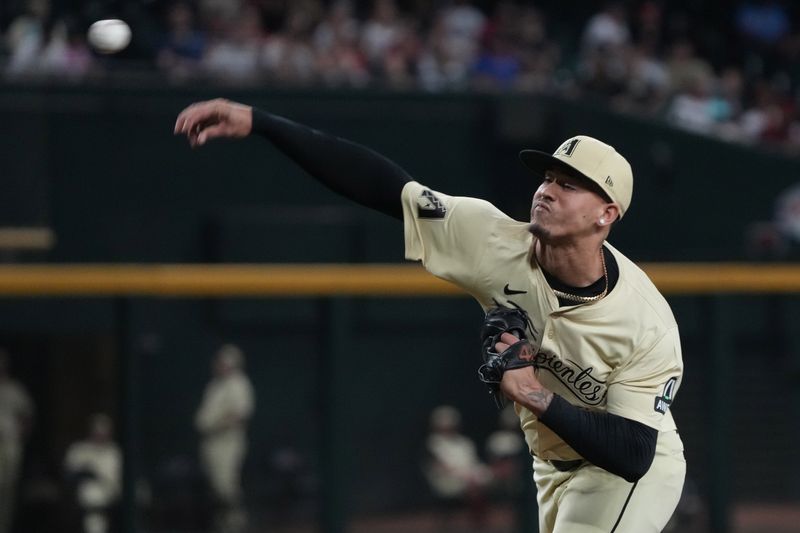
(501, 347)
(508, 338)
(185, 124)
(182, 122)
(211, 132)
(178, 124)
(191, 116)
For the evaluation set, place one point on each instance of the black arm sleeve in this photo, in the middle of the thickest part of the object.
(623, 447)
(347, 168)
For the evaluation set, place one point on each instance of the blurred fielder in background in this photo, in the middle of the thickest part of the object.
(595, 413)
(222, 420)
(93, 467)
(16, 418)
(456, 475)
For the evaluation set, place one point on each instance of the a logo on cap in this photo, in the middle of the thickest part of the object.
(609, 181)
(568, 147)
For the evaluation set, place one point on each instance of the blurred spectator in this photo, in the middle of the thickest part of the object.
(498, 67)
(16, 418)
(382, 30)
(782, 114)
(649, 26)
(755, 118)
(437, 69)
(289, 56)
(605, 40)
(339, 59)
(505, 18)
(779, 237)
(764, 21)
(607, 30)
(222, 421)
(452, 467)
(462, 27)
(770, 118)
(183, 45)
(235, 56)
(66, 55)
(26, 38)
(602, 73)
(538, 56)
(693, 108)
(686, 70)
(400, 60)
(214, 12)
(93, 468)
(728, 103)
(787, 214)
(711, 105)
(338, 25)
(647, 86)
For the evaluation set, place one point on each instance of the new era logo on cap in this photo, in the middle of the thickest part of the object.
(592, 159)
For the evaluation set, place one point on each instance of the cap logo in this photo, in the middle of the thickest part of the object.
(568, 147)
(609, 181)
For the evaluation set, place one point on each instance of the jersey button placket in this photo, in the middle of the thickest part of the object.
(547, 332)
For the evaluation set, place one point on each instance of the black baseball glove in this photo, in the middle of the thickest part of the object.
(501, 320)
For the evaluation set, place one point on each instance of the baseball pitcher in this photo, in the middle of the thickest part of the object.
(576, 335)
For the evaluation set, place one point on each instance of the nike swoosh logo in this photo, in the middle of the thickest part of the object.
(506, 290)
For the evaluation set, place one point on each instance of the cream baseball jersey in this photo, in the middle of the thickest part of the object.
(620, 354)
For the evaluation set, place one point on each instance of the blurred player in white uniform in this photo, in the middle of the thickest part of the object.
(607, 455)
(454, 471)
(16, 416)
(94, 467)
(221, 420)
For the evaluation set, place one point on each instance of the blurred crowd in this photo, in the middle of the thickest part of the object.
(728, 69)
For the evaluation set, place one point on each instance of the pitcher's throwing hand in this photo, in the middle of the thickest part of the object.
(212, 119)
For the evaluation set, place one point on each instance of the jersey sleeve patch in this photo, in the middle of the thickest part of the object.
(430, 206)
(663, 402)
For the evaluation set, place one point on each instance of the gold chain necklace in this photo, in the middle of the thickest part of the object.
(587, 299)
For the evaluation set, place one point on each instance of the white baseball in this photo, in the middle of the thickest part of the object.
(109, 36)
